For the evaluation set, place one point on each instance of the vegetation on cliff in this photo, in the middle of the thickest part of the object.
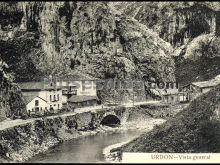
(198, 60)
(10, 97)
(192, 28)
(84, 36)
(90, 37)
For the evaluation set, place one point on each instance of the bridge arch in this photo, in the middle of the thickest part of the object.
(110, 120)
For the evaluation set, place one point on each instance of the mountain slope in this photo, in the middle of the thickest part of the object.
(191, 27)
(193, 130)
(75, 35)
(89, 37)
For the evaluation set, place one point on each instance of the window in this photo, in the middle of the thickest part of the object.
(50, 98)
(36, 109)
(54, 97)
(172, 98)
(83, 86)
(58, 106)
(58, 98)
(36, 102)
(166, 99)
(54, 105)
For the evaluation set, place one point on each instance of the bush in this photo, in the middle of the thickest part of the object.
(209, 136)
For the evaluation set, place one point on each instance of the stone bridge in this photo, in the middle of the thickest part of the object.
(107, 116)
(112, 116)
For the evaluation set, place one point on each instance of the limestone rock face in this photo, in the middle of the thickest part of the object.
(113, 39)
(175, 22)
(10, 97)
(93, 38)
(192, 28)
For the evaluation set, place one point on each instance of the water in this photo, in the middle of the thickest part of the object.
(84, 150)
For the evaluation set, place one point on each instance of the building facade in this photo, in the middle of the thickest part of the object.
(40, 97)
(78, 90)
(82, 101)
(169, 96)
(193, 90)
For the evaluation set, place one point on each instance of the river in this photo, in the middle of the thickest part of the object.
(87, 149)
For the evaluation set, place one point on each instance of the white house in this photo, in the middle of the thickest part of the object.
(167, 95)
(76, 84)
(35, 104)
(195, 89)
(41, 97)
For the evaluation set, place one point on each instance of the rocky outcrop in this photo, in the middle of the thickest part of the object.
(192, 28)
(175, 22)
(86, 36)
(198, 60)
(11, 102)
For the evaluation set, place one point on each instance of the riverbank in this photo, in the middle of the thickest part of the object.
(112, 157)
(19, 143)
(139, 120)
(193, 130)
(27, 150)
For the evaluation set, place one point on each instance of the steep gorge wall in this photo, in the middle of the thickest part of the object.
(85, 36)
(192, 28)
(175, 22)
(178, 26)
(10, 96)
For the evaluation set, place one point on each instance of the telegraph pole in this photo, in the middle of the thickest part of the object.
(114, 91)
(133, 92)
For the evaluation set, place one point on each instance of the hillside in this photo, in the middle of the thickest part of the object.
(192, 28)
(158, 41)
(193, 130)
(82, 36)
(45, 38)
(199, 60)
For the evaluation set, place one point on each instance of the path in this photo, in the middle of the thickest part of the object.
(8, 123)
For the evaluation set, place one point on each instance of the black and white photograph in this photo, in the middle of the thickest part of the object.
(109, 81)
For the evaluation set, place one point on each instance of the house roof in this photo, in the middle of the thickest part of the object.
(74, 76)
(210, 83)
(28, 99)
(203, 84)
(75, 99)
(161, 92)
(41, 85)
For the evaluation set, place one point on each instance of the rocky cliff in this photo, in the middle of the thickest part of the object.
(175, 22)
(84, 36)
(192, 28)
(126, 40)
(10, 96)
(91, 37)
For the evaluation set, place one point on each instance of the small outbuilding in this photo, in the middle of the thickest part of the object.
(82, 101)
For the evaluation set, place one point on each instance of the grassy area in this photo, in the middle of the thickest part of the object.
(195, 129)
